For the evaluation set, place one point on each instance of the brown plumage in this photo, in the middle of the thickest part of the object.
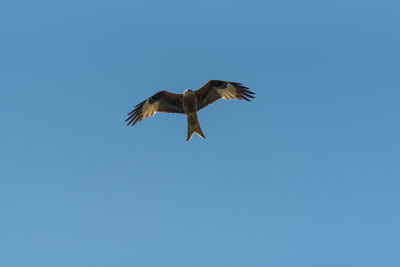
(189, 102)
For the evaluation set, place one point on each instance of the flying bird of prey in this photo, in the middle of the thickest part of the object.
(189, 103)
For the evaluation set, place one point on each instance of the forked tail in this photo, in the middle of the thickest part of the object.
(193, 126)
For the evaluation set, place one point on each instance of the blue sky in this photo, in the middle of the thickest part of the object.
(305, 175)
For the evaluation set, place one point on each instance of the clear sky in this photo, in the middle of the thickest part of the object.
(308, 174)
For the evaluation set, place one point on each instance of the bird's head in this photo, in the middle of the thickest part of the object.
(187, 92)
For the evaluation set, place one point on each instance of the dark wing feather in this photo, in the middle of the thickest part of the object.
(216, 89)
(162, 101)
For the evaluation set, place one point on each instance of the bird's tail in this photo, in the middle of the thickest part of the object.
(193, 126)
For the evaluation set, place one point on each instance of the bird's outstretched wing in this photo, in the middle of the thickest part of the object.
(215, 89)
(162, 101)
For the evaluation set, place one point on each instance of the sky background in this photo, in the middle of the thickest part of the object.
(307, 174)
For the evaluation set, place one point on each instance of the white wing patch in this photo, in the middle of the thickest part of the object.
(148, 109)
(228, 92)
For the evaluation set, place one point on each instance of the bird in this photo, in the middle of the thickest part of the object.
(189, 103)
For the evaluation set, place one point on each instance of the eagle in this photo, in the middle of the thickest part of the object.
(189, 103)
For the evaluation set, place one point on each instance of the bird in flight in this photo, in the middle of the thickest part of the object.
(189, 103)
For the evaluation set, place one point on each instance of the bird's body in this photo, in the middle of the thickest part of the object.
(189, 102)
